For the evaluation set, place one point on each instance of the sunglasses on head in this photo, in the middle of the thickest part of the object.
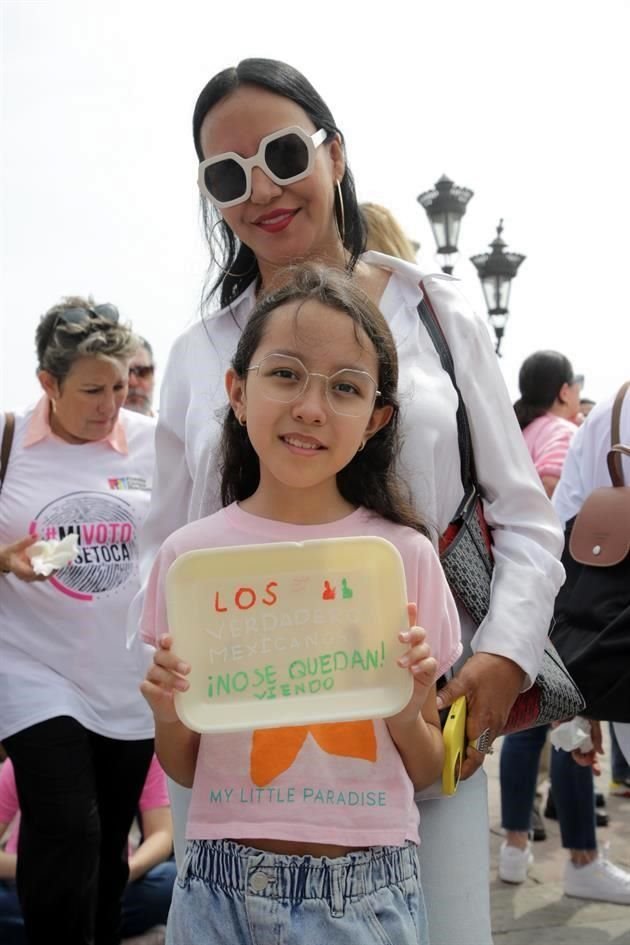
(79, 315)
(142, 371)
(285, 156)
(76, 316)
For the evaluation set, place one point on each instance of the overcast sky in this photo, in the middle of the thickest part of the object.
(525, 103)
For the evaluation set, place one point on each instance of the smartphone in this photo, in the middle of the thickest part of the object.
(454, 735)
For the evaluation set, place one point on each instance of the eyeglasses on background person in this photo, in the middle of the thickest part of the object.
(283, 379)
(285, 156)
(142, 371)
(141, 379)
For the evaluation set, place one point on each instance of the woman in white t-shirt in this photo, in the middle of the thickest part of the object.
(71, 717)
(277, 188)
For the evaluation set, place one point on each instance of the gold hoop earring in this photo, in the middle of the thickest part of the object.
(341, 228)
(242, 421)
(362, 447)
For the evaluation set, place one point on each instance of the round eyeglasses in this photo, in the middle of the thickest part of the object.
(283, 379)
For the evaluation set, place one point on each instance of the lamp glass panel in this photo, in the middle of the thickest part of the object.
(497, 292)
(439, 227)
(504, 292)
(499, 322)
(454, 223)
(447, 260)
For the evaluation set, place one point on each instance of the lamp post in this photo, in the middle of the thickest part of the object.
(445, 206)
(496, 270)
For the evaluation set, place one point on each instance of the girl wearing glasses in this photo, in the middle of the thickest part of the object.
(308, 451)
(71, 718)
(276, 188)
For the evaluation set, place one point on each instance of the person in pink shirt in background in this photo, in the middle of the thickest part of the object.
(548, 412)
(152, 869)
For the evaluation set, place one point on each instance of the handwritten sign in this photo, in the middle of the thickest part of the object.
(289, 633)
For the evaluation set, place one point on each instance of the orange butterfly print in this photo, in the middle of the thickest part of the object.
(275, 749)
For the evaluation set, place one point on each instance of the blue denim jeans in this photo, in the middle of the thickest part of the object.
(619, 767)
(571, 786)
(228, 893)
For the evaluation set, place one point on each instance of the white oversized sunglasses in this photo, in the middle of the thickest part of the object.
(285, 156)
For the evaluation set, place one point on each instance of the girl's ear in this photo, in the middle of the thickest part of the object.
(379, 419)
(50, 384)
(235, 387)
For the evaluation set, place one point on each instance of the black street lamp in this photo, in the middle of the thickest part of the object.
(496, 271)
(445, 206)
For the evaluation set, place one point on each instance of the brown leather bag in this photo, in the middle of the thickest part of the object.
(5, 449)
(5, 452)
(601, 533)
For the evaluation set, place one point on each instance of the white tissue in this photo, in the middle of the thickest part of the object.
(49, 556)
(572, 735)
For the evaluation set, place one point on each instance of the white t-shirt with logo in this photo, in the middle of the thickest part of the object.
(62, 641)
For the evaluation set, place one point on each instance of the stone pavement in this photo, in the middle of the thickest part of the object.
(537, 912)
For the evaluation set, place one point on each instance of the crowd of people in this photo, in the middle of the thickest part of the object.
(310, 401)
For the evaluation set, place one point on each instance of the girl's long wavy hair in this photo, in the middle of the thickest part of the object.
(370, 479)
(238, 264)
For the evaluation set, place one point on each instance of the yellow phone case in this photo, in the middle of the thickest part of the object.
(454, 734)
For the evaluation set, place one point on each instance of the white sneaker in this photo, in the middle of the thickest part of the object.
(600, 880)
(514, 863)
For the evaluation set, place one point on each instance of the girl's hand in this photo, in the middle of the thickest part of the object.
(165, 677)
(421, 665)
(14, 560)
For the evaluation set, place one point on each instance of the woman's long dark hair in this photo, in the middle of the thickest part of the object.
(540, 380)
(239, 263)
(370, 478)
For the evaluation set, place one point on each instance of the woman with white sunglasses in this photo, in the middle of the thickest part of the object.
(276, 189)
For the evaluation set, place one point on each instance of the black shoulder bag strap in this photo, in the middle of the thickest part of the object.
(466, 458)
(7, 441)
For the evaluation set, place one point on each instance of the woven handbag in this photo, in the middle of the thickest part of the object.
(466, 556)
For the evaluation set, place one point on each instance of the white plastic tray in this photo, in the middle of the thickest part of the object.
(289, 633)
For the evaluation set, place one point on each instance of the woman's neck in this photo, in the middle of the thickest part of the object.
(272, 274)
(560, 409)
(60, 431)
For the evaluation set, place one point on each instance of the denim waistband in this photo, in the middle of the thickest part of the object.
(230, 866)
